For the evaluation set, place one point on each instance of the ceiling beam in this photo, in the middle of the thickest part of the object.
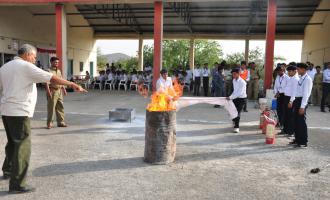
(183, 11)
(116, 15)
(197, 24)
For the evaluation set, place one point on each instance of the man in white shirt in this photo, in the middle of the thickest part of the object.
(303, 91)
(289, 96)
(280, 84)
(189, 78)
(164, 83)
(325, 86)
(18, 80)
(238, 96)
(197, 79)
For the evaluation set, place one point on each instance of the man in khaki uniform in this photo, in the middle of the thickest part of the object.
(55, 97)
(253, 84)
(317, 87)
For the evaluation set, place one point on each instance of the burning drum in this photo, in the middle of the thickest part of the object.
(160, 137)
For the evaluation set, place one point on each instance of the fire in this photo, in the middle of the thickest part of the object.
(163, 101)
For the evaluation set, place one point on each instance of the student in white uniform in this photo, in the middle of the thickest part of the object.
(280, 84)
(164, 83)
(238, 96)
(304, 89)
(289, 95)
(197, 79)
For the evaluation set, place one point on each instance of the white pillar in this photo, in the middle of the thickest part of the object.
(247, 49)
(140, 54)
(192, 54)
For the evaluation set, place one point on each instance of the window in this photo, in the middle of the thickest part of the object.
(81, 64)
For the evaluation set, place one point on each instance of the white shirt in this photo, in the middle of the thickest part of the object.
(189, 74)
(18, 80)
(239, 89)
(197, 73)
(163, 85)
(206, 72)
(291, 87)
(326, 76)
(123, 77)
(134, 78)
(304, 89)
(311, 73)
(280, 83)
(110, 77)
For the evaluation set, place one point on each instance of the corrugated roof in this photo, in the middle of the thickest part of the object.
(222, 17)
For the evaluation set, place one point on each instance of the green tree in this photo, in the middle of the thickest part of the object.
(207, 51)
(128, 64)
(176, 52)
(101, 60)
(148, 55)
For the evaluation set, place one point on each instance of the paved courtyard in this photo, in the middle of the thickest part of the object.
(97, 159)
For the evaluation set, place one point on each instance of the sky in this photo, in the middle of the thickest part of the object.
(289, 49)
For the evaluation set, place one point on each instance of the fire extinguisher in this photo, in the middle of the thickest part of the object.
(262, 118)
(270, 131)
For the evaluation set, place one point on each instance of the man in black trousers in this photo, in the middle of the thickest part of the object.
(280, 84)
(325, 86)
(206, 82)
(302, 94)
(238, 96)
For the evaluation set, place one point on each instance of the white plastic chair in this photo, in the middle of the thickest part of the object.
(122, 83)
(108, 83)
(98, 84)
(133, 84)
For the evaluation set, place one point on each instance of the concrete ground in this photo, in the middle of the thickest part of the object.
(98, 159)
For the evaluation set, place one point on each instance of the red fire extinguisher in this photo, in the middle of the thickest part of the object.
(270, 131)
(262, 118)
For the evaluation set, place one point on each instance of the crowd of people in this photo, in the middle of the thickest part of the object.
(115, 76)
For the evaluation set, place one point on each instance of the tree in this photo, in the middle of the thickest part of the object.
(234, 58)
(128, 64)
(101, 60)
(255, 55)
(176, 52)
(207, 51)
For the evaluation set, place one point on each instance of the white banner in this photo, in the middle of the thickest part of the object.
(228, 104)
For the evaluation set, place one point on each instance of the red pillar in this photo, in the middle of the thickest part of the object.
(158, 37)
(270, 41)
(59, 37)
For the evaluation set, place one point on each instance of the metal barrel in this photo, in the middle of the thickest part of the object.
(160, 137)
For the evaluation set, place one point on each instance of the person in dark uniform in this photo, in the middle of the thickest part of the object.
(302, 94)
(238, 96)
(325, 87)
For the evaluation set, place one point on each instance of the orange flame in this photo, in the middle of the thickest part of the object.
(165, 101)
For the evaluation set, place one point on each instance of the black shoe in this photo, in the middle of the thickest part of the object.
(293, 142)
(216, 106)
(323, 110)
(282, 133)
(302, 146)
(5, 177)
(245, 111)
(21, 190)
